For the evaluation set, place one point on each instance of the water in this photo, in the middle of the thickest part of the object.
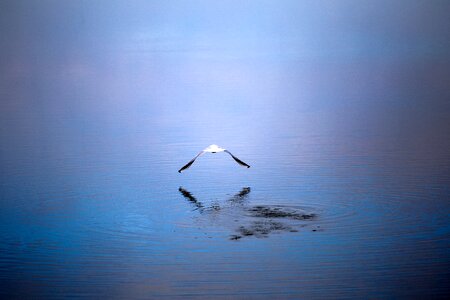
(348, 191)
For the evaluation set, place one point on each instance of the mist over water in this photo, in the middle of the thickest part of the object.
(340, 108)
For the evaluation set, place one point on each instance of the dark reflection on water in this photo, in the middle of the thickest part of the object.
(191, 198)
(253, 220)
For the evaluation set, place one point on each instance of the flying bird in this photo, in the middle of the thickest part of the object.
(213, 149)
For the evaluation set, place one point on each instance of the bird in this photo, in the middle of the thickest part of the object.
(213, 149)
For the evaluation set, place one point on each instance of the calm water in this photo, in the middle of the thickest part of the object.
(348, 194)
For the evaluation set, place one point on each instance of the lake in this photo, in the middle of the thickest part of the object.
(347, 196)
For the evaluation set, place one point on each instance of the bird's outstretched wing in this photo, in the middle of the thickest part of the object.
(190, 163)
(238, 160)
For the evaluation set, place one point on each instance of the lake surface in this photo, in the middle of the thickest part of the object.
(348, 194)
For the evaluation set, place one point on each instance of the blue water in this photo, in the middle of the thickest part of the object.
(348, 191)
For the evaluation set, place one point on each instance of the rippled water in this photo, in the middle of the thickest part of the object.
(348, 194)
(116, 219)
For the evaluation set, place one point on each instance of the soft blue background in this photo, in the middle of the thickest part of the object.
(341, 108)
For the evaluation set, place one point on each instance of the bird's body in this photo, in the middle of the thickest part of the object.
(213, 149)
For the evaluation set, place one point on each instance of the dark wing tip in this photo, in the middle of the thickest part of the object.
(238, 160)
(190, 163)
(187, 165)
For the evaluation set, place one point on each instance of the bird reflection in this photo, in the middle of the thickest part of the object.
(237, 198)
(241, 196)
(186, 194)
(245, 219)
